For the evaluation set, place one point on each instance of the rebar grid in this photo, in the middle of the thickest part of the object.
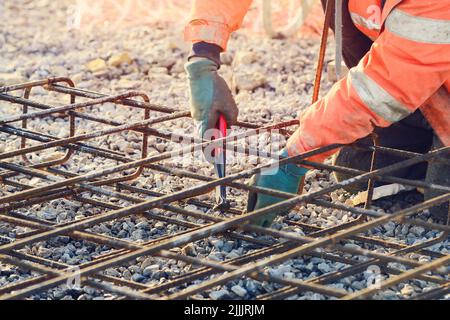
(118, 191)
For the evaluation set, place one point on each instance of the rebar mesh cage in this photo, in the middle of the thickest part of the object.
(130, 206)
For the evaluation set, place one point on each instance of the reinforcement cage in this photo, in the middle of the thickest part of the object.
(40, 168)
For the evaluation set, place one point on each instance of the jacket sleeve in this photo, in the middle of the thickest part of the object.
(406, 65)
(213, 21)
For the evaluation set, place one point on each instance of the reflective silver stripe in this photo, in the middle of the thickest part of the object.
(418, 29)
(376, 98)
(367, 23)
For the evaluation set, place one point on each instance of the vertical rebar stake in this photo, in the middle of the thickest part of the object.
(371, 182)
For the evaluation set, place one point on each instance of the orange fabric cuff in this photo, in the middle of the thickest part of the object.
(295, 147)
(207, 31)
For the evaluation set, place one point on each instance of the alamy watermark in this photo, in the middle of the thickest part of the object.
(241, 149)
(375, 14)
(374, 277)
(74, 281)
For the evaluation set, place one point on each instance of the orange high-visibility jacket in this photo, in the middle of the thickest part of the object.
(407, 67)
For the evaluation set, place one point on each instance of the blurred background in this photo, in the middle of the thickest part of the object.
(117, 45)
(119, 13)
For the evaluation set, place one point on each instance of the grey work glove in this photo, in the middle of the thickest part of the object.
(209, 95)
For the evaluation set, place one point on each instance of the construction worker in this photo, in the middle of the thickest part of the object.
(398, 53)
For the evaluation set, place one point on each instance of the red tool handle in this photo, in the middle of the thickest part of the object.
(223, 126)
(220, 165)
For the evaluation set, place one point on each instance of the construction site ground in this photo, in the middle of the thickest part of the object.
(272, 80)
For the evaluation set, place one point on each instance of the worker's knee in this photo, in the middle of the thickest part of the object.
(438, 173)
(361, 160)
(352, 158)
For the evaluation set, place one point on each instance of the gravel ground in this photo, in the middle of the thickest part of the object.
(268, 89)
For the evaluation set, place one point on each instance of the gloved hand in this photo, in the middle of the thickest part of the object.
(286, 178)
(209, 95)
